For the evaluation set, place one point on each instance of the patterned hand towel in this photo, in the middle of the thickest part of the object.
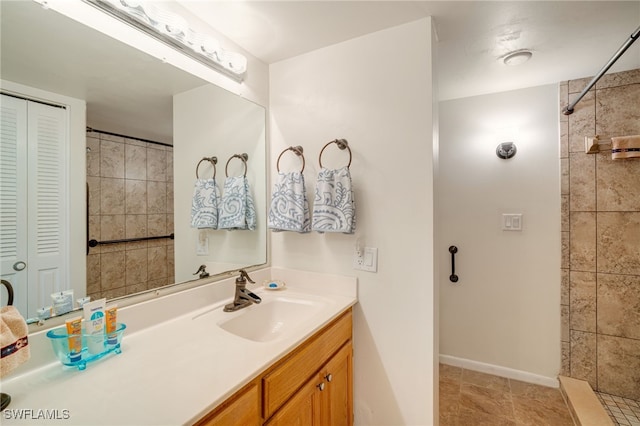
(13, 340)
(625, 147)
(237, 209)
(334, 208)
(204, 206)
(289, 209)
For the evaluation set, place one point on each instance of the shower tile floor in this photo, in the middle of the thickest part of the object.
(623, 411)
(470, 398)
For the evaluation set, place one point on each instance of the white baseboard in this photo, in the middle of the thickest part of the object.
(497, 370)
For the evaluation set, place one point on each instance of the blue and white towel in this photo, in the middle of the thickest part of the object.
(204, 206)
(334, 208)
(237, 209)
(289, 209)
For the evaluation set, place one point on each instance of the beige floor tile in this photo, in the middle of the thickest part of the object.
(450, 372)
(469, 398)
(485, 380)
(533, 412)
(489, 401)
(469, 417)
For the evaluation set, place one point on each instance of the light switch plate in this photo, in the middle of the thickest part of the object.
(512, 222)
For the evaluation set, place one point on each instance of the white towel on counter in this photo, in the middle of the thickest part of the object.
(204, 206)
(289, 210)
(334, 208)
(237, 209)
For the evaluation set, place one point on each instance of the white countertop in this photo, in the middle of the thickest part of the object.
(171, 373)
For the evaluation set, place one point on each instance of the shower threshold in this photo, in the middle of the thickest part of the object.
(589, 408)
(583, 403)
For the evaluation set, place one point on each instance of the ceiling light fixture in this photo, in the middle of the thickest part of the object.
(517, 57)
(173, 30)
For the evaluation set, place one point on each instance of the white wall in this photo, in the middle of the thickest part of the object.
(504, 311)
(375, 91)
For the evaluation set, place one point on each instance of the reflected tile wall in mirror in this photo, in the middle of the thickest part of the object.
(130, 196)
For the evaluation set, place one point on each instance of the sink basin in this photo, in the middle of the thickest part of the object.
(272, 318)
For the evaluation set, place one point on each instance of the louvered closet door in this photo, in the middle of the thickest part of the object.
(13, 198)
(47, 246)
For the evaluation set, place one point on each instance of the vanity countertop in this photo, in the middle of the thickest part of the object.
(173, 372)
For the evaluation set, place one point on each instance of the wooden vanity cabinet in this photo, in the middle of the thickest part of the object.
(326, 399)
(312, 385)
(337, 397)
(243, 408)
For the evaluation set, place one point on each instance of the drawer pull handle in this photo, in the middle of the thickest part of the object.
(329, 377)
(321, 386)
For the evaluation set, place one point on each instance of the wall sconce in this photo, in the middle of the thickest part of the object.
(506, 150)
(173, 30)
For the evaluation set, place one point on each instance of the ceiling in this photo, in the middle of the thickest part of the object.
(41, 48)
(569, 39)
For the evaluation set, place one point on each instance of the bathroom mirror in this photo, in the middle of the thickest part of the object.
(130, 93)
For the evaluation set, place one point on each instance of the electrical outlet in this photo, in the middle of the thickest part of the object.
(366, 259)
(358, 260)
(202, 246)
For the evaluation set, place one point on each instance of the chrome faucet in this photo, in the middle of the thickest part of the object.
(243, 297)
(202, 270)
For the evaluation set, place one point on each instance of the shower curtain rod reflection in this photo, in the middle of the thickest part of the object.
(91, 129)
(568, 110)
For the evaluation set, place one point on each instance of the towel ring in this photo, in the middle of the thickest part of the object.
(244, 157)
(212, 160)
(342, 144)
(296, 150)
(7, 284)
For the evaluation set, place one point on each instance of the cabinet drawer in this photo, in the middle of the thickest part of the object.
(241, 409)
(289, 375)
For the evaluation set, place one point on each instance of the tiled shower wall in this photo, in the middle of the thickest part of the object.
(130, 196)
(601, 238)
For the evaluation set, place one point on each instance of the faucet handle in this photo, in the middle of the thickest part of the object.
(244, 277)
(202, 270)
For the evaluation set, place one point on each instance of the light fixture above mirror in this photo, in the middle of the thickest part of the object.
(174, 30)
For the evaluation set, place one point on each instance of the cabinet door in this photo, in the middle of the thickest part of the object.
(337, 396)
(13, 199)
(242, 410)
(303, 409)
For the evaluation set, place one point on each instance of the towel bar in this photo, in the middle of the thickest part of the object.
(342, 144)
(244, 157)
(593, 144)
(95, 243)
(212, 160)
(298, 150)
